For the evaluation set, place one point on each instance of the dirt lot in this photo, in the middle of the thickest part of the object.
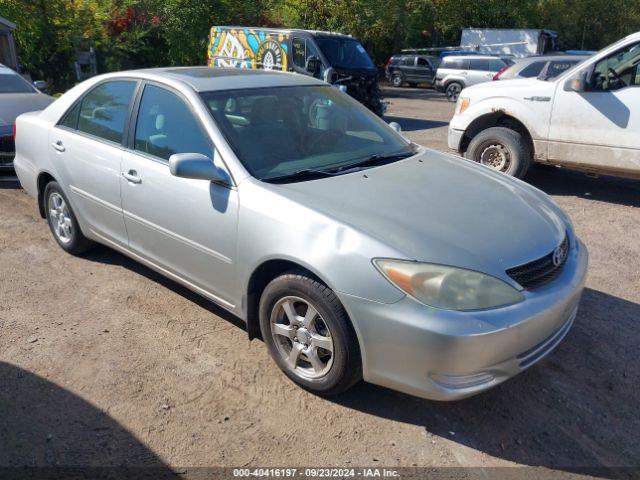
(103, 362)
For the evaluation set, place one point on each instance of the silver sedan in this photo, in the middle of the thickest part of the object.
(352, 252)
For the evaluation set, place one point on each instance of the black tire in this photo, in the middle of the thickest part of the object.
(413, 84)
(397, 80)
(453, 91)
(502, 149)
(74, 241)
(345, 367)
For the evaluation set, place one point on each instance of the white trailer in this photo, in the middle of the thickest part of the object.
(508, 41)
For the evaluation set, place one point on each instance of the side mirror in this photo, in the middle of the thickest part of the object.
(40, 85)
(197, 166)
(577, 83)
(313, 65)
(396, 126)
(327, 75)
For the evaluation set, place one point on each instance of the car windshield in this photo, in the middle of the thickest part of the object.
(14, 83)
(282, 131)
(345, 53)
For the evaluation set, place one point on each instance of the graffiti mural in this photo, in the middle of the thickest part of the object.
(248, 48)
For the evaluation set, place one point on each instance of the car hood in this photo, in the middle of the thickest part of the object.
(438, 208)
(14, 104)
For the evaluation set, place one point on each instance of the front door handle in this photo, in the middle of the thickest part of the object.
(132, 176)
(58, 146)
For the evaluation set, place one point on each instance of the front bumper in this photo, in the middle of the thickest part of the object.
(454, 138)
(447, 355)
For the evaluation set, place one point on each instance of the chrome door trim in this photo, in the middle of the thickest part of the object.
(175, 236)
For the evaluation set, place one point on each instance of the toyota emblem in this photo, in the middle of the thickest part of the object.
(559, 254)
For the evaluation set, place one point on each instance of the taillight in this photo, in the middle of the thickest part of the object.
(13, 132)
(499, 72)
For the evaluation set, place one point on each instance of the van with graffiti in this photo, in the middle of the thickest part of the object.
(338, 59)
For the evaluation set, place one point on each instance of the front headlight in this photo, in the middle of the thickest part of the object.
(448, 287)
(462, 105)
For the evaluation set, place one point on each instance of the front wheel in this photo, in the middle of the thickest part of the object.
(453, 91)
(309, 334)
(501, 149)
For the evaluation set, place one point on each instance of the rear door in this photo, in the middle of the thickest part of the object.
(186, 226)
(87, 146)
(479, 71)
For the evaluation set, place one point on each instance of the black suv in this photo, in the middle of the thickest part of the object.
(411, 69)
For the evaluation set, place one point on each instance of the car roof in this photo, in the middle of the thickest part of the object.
(474, 57)
(547, 58)
(203, 79)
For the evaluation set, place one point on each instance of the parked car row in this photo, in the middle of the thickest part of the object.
(453, 73)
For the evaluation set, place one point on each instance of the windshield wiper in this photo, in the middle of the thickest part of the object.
(378, 159)
(305, 174)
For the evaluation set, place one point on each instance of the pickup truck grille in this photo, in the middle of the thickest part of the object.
(7, 150)
(539, 272)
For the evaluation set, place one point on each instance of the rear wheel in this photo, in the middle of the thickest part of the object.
(501, 149)
(309, 334)
(397, 80)
(453, 91)
(62, 221)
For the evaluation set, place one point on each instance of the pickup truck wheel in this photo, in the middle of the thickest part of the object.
(502, 149)
(309, 334)
(397, 80)
(453, 91)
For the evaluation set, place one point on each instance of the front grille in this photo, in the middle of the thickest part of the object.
(7, 150)
(541, 271)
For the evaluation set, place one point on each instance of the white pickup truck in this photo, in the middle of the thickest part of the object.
(586, 119)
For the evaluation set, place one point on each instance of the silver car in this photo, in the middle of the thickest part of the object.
(351, 251)
(17, 96)
(545, 67)
(457, 72)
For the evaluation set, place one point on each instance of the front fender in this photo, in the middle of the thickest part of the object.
(529, 114)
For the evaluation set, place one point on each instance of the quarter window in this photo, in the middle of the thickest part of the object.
(165, 126)
(103, 111)
(71, 118)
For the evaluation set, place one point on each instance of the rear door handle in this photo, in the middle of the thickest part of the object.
(58, 146)
(132, 176)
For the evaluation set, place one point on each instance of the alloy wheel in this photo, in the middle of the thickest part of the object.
(60, 218)
(302, 337)
(453, 91)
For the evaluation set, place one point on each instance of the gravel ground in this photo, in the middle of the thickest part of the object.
(104, 362)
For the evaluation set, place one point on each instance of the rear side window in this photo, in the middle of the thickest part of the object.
(479, 64)
(408, 61)
(103, 111)
(496, 64)
(532, 70)
(166, 126)
(455, 63)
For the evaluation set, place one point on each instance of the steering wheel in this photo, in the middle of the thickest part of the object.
(615, 76)
(326, 137)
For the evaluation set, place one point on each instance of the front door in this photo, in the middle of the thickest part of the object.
(187, 227)
(599, 128)
(424, 72)
(89, 141)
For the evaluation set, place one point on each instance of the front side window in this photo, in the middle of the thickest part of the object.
(165, 126)
(302, 49)
(556, 67)
(103, 111)
(423, 62)
(276, 132)
(617, 71)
